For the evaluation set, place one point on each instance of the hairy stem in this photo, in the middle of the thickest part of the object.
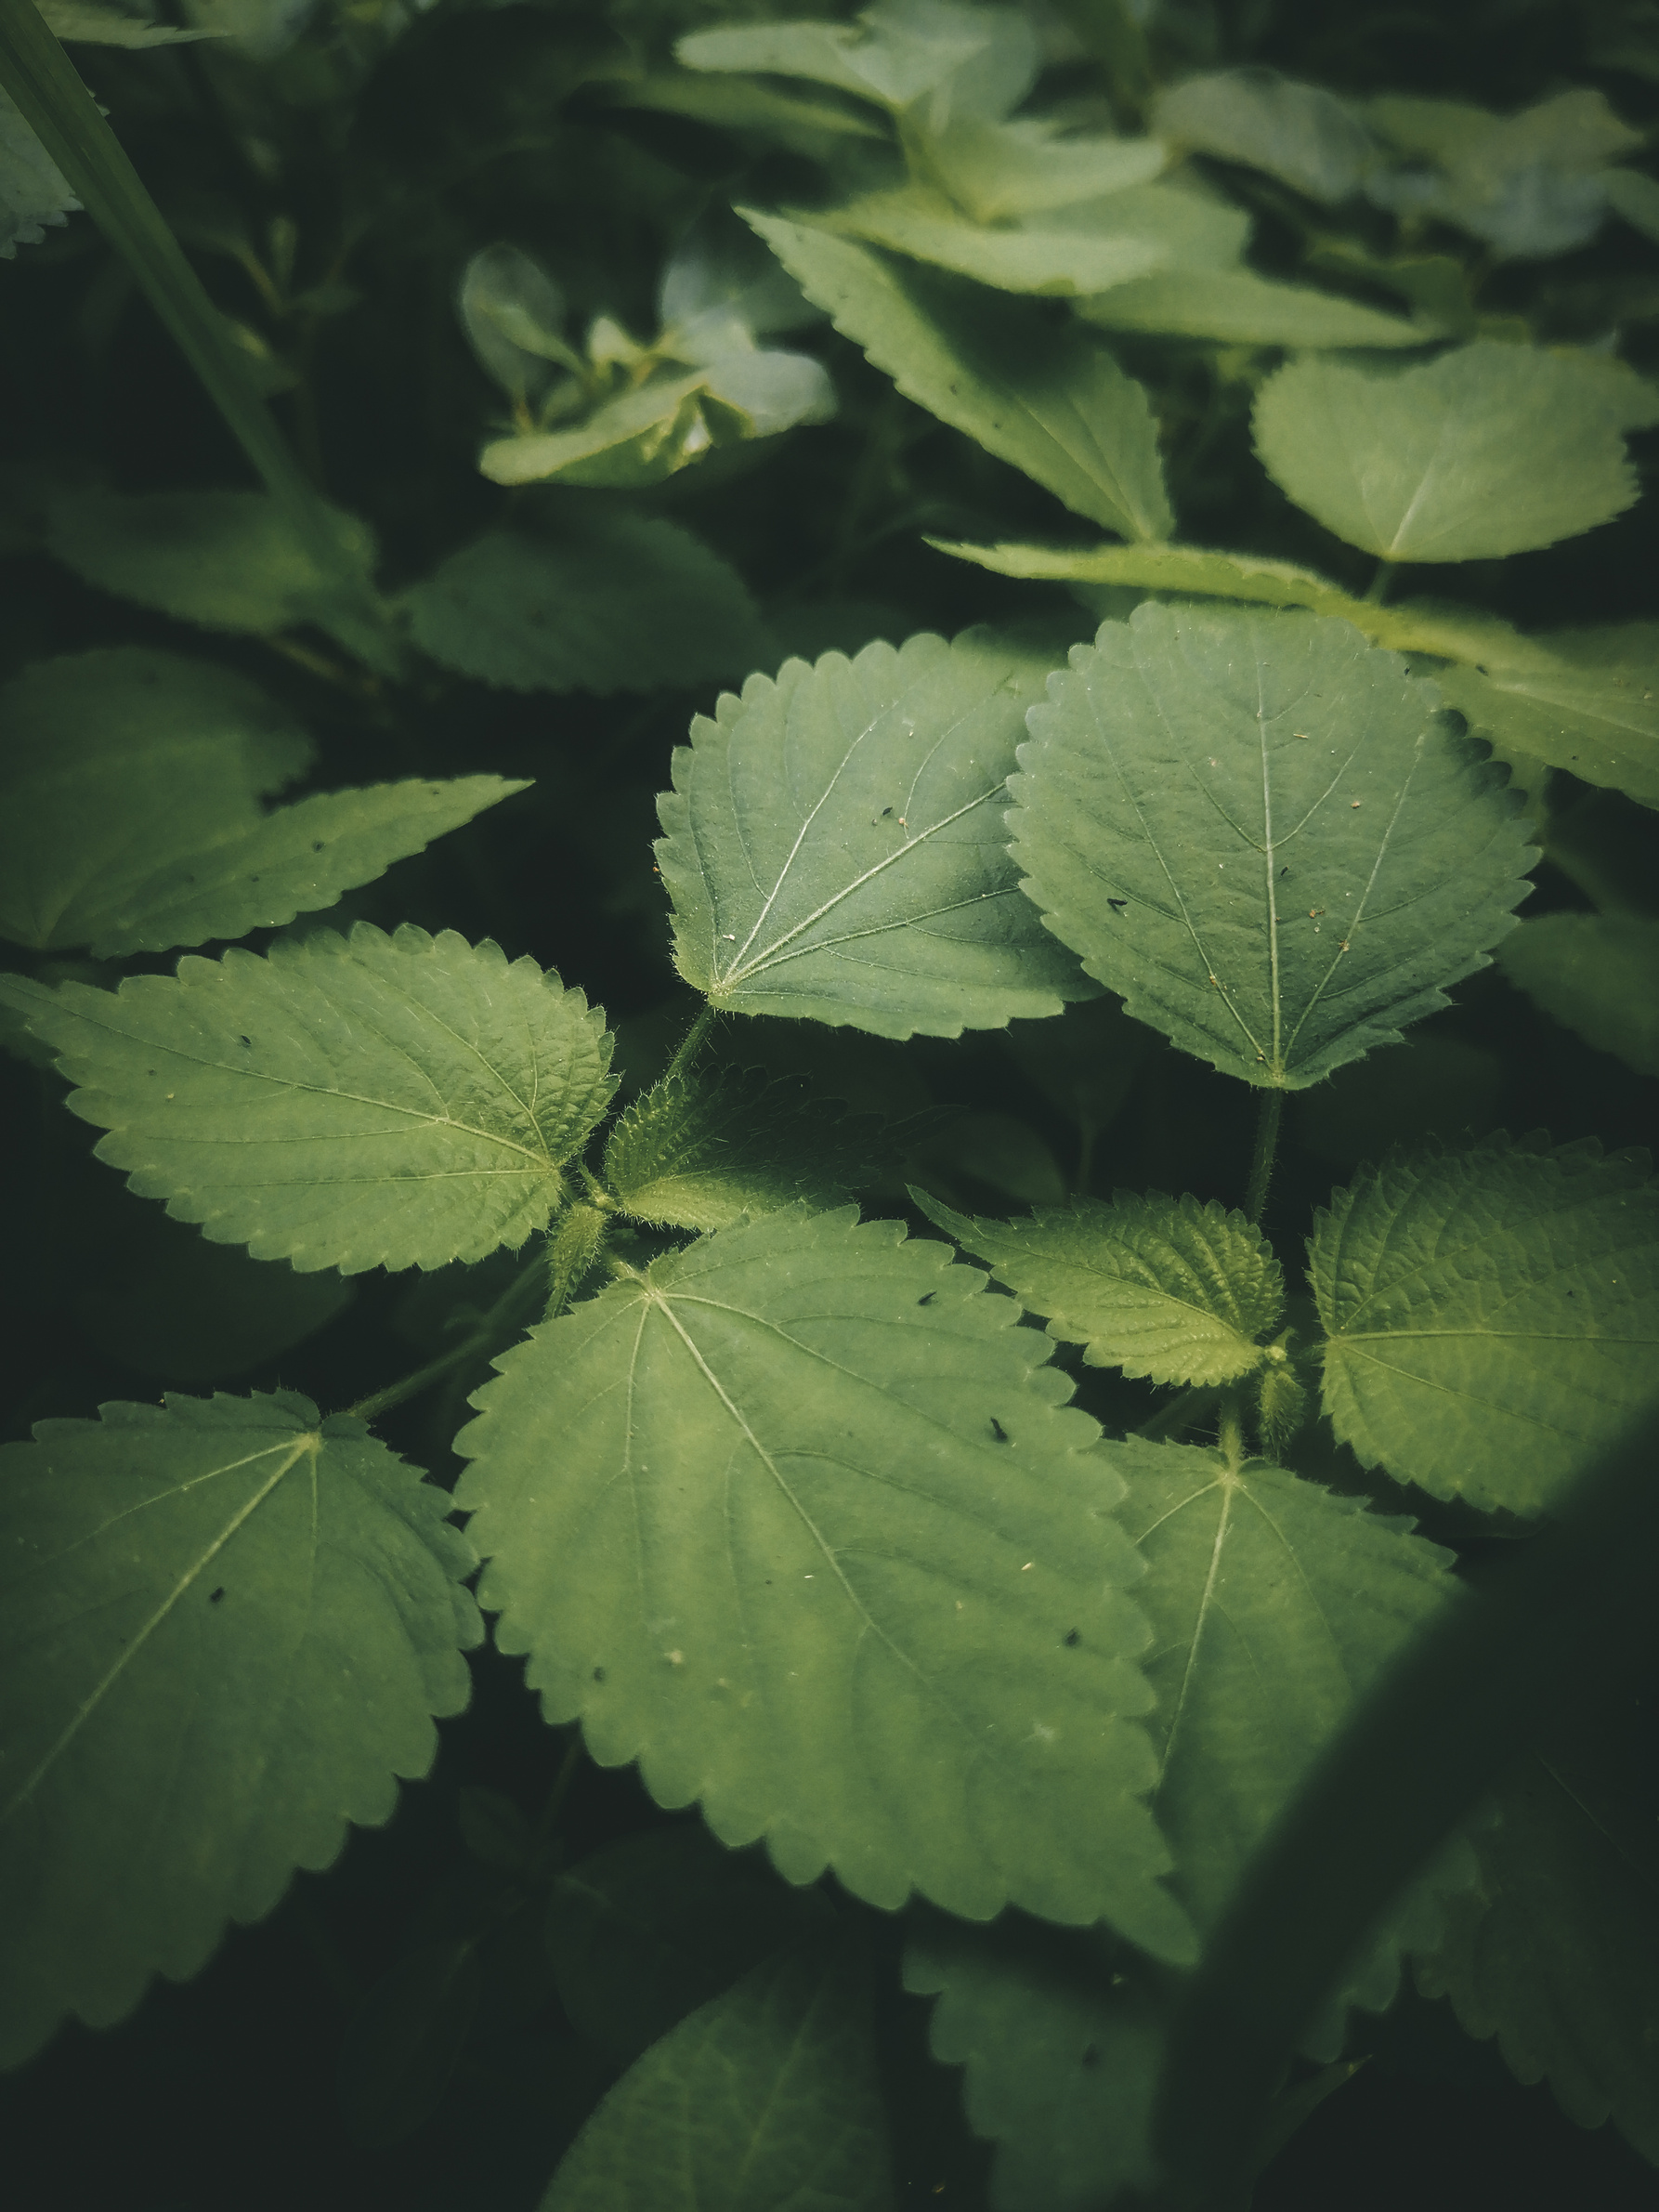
(571, 1251)
(1268, 1114)
(520, 1296)
(692, 1043)
(1377, 590)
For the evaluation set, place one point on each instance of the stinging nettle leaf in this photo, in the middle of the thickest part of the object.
(1596, 974)
(1491, 1315)
(1040, 397)
(1258, 830)
(1162, 1287)
(1580, 700)
(999, 170)
(796, 1518)
(345, 1102)
(1235, 307)
(835, 843)
(1298, 132)
(230, 1628)
(924, 225)
(1490, 449)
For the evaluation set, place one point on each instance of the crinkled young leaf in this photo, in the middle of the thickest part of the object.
(230, 1627)
(1038, 395)
(1301, 134)
(922, 223)
(835, 848)
(1235, 307)
(1491, 1315)
(1258, 830)
(598, 602)
(1580, 700)
(767, 2098)
(345, 1102)
(796, 1518)
(1596, 974)
(698, 1151)
(1164, 1288)
(35, 193)
(1488, 450)
(1000, 170)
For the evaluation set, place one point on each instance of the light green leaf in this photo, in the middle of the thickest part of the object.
(975, 60)
(35, 193)
(1193, 228)
(1039, 396)
(999, 170)
(922, 224)
(1558, 1954)
(111, 754)
(639, 439)
(401, 2047)
(906, 1658)
(1493, 1315)
(699, 1151)
(767, 2100)
(1259, 832)
(349, 1103)
(1488, 450)
(1235, 307)
(599, 601)
(1160, 1287)
(85, 23)
(1301, 134)
(648, 1929)
(228, 1629)
(1596, 974)
(513, 317)
(835, 849)
(228, 560)
(1586, 701)
(1634, 195)
(215, 868)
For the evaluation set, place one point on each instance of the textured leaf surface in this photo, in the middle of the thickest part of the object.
(648, 1929)
(767, 2099)
(1301, 134)
(1159, 1286)
(347, 1102)
(1255, 828)
(610, 603)
(835, 846)
(1558, 1953)
(697, 1152)
(1493, 1315)
(1597, 974)
(795, 1520)
(1041, 397)
(1237, 307)
(924, 225)
(1488, 450)
(1586, 701)
(228, 1629)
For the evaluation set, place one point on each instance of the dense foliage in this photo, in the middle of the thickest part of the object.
(893, 1373)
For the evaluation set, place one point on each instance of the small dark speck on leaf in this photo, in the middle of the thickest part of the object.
(926, 1299)
(1071, 1637)
(1118, 904)
(317, 846)
(248, 1041)
(998, 1431)
(598, 1674)
(217, 1595)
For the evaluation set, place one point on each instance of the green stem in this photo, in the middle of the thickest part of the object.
(1230, 1429)
(1377, 590)
(55, 103)
(571, 1251)
(1178, 1415)
(692, 1043)
(522, 1291)
(1267, 1115)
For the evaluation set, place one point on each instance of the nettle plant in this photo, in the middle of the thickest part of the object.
(783, 1503)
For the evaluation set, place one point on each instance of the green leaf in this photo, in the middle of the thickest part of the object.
(1580, 700)
(1164, 1288)
(1558, 1954)
(1493, 1315)
(85, 23)
(699, 1151)
(401, 2045)
(802, 124)
(347, 1102)
(1035, 394)
(1635, 196)
(228, 560)
(975, 60)
(648, 1929)
(907, 1658)
(513, 317)
(997, 171)
(835, 843)
(599, 602)
(1596, 974)
(1235, 307)
(1258, 831)
(1193, 228)
(922, 224)
(1084, 1062)
(35, 194)
(999, 1150)
(639, 439)
(1489, 450)
(228, 1629)
(767, 2099)
(494, 1829)
(1301, 134)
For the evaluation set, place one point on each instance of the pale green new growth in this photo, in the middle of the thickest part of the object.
(835, 846)
(1257, 830)
(1580, 700)
(1162, 1287)
(349, 1103)
(795, 1520)
(1597, 974)
(767, 2099)
(1235, 307)
(1490, 449)
(1036, 394)
(608, 602)
(227, 1630)
(638, 438)
(1492, 1316)
(698, 1151)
